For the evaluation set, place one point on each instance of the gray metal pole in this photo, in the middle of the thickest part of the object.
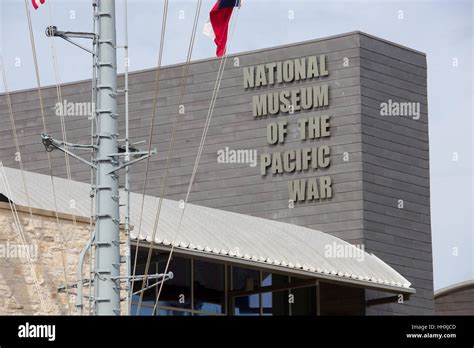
(127, 158)
(107, 272)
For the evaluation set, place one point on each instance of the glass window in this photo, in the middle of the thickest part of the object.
(304, 301)
(274, 303)
(246, 280)
(209, 286)
(149, 296)
(247, 305)
(166, 311)
(176, 292)
(145, 309)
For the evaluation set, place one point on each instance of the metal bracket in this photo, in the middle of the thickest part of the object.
(50, 144)
(99, 299)
(148, 287)
(161, 277)
(168, 275)
(125, 164)
(67, 35)
(75, 285)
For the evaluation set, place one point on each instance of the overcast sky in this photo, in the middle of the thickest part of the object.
(441, 29)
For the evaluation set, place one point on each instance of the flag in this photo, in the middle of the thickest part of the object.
(218, 23)
(36, 3)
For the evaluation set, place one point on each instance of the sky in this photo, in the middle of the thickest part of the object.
(441, 29)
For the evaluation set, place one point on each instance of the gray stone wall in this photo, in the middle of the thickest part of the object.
(29, 285)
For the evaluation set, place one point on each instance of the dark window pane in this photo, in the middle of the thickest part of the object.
(144, 309)
(280, 304)
(304, 301)
(164, 312)
(247, 305)
(209, 283)
(176, 292)
(269, 279)
(245, 279)
(276, 302)
(149, 296)
(197, 314)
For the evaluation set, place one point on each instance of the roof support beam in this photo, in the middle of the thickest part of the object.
(272, 288)
(385, 300)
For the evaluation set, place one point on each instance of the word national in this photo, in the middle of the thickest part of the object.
(288, 71)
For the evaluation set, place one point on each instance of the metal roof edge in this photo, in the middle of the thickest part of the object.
(454, 287)
(379, 260)
(316, 275)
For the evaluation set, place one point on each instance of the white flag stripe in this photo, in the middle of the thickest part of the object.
(208, 31)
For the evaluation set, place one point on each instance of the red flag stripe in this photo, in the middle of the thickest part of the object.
(220, 18)
(36, 3)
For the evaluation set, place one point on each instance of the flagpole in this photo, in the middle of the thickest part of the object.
(127, 158)
(107, 239)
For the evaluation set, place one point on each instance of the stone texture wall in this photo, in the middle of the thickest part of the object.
(54, 259)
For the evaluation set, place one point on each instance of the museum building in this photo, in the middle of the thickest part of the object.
(320, 205)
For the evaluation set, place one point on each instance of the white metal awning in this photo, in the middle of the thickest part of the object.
(218, 234)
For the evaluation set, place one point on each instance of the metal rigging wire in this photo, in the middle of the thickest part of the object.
(168, 157)
(198, 156)
(150, 137)
(38, 82)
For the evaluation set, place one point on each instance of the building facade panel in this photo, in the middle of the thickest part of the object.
(396, 168)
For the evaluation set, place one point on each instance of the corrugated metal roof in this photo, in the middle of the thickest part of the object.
(217, 233)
